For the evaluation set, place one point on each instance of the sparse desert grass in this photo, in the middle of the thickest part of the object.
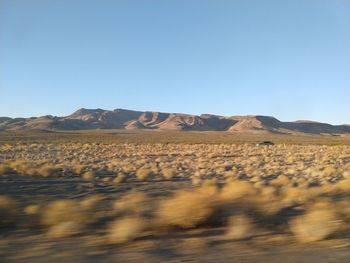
(186, 209)
(235, 190)
(47, 170)
(132, 203)
(68, 217)
(319, 222)
(303, 190)
(31, 168)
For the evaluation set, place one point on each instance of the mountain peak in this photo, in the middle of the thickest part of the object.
(84, 111)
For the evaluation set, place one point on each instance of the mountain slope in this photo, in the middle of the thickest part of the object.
(129, 119)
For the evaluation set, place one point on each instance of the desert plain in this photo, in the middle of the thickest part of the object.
(137, 196)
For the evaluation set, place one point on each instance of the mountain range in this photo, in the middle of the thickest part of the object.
(85, 119)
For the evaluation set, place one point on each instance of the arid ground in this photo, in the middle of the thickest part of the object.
(134, 196)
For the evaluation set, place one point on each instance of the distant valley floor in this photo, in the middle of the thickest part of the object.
(146, 136)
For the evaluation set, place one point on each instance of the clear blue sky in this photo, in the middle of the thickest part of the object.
(285, 58)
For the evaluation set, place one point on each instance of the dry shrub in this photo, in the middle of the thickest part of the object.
(342, 187)
(281, 180)
(154, 169)
(5, 169)
(292, 196)
(8, 210)
(278, 185)
(143, 174)
(128, 168)
(132, 203)
(25, 167)
(34, 168)
(269, 192)
(259, 185)
(107, 179)
(232, 173)
(78, 169)
(66, 217)
(119, 179)
(236, 190)
(186, 209)
(328, 171)
(240, 227)
(88, 176)
(32, 209)
(47, 170)
(20, 166)
(168, 172)
(319, 222)
(33, 213)
(62, 211)
(126, 229)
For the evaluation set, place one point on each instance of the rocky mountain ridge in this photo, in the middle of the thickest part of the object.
(85, 119)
